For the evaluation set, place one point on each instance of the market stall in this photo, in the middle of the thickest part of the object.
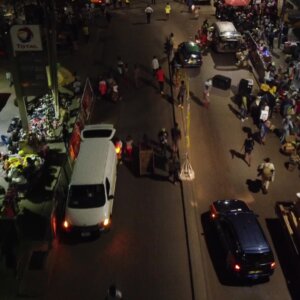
(259, 55)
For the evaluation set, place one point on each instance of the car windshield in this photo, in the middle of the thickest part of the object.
(192, 48)
(86, 196)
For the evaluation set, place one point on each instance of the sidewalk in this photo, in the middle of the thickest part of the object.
(33, 222)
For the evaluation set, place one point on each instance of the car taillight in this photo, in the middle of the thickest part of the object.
(213, 212)
(66, 225)
(237, 267)
(273, 265)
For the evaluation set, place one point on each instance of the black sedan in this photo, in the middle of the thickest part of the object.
(188, 55)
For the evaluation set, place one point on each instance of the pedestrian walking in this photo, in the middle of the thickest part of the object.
(120, 66)
(176, 137)
(8, 76)
(266, 171)
(102, 88)
(76, 86)
(113, 293)
(136, 75)
(244, 108)
(86, 32)
(65, 135)
(181, 94)
(155, 65)
(167, 10)
(271, 35)
(115, 92)
(263, 131)
(174, 169)
(163, 141)
(248, 147)
(107, 16)
(160, 77)
(149, 11)
(207, 86)
(126, 74)
(171, 41)
(128, 148)
(287, 128)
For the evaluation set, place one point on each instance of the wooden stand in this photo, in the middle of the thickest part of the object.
(146, 161)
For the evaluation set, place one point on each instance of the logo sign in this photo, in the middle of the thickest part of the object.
(26, 38)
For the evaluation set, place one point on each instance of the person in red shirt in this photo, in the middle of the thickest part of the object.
(203, 40)
(102, 88)
(160, 77)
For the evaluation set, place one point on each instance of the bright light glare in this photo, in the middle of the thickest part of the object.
(66, 224)
(118, 150)
(273, 265)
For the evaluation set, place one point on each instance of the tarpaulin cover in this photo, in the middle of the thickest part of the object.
(237, 2)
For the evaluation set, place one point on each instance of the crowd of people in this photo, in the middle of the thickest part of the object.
(250, 16)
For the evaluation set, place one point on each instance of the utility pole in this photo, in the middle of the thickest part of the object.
(50, 20)
(18, 91)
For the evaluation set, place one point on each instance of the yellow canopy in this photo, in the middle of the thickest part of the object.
(64, 76)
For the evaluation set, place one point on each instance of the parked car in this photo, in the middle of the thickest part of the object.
(226, 39)
(91, 190)
(188, 55)
(248, 253)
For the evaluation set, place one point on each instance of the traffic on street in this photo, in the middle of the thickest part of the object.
(191, 143)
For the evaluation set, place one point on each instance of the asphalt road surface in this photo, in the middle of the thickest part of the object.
(151, 251)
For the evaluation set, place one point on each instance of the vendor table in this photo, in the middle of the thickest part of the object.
(259, 62)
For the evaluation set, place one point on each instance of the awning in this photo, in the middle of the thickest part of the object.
(237, 2)
(64, 76)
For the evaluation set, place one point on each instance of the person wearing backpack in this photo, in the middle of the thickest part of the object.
(248, 148)
(267, 172)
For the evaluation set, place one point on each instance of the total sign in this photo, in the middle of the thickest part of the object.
(26, 38)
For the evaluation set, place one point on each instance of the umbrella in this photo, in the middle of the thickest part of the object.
(237, 2)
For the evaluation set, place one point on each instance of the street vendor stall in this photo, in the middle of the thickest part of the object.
(259, 55)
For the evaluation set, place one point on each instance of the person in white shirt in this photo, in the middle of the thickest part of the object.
(149, 11)
(113, 293)
(267, 172)
(155, 65)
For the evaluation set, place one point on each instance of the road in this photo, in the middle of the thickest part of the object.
(150, 252)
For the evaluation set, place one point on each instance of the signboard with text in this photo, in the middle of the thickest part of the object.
(32, 73)
(26, 38)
